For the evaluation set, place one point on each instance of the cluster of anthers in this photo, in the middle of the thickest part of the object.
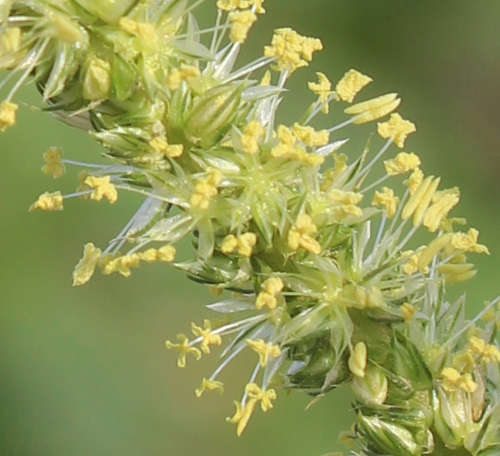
(280, 218)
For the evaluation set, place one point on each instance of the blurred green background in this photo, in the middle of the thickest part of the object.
(84, 371)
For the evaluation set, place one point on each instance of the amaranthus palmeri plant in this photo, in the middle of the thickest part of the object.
(309, 253)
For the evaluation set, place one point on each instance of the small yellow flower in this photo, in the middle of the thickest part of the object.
(396, 128)
(241, 22)
(48, 202)
(351, 84)
(373, 109)
(444, 202)
(184, 349)
(53, 163)
(358, 360)
(264, 350)
(7, 115)
(300, 235)
(415, 180)
(324, 91)
(209, 385)
(207, 335)
(103, 188)
(288, 149)
(468, 242)
(252, 134)
(256, 395)
(271, 288)
(386, 200)
(291, 50)
(85, 268)
(402, 163)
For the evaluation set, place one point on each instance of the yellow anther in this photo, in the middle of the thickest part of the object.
(288, 149)
(351, 84)
(256, 395)
(323, 88)
(237, 414)
(397, 129)
(373, 109)
(301, 235)
(402, 163)
(408, 311)
(429, 252)
(291, 50)
(185, 73)
(165, 254)
(411, 265)
(8, 112)
(343, 197)
(48, 202)
(10, 41)
(420, 200)
(455, 273)
(241, 23)
(122, 264)
(264, 350)
(452, 381)
(491, 354)
(160, 144)
(444, 202)
(209, 385)
(271, 288)
(85, 268)
(266, 79)
(252, 134)
(97, 80)
(184, 349)
(468, 242)
(53, 163)
(487, 353)
(310, 137)
(415, 180)
(387, 200)
(103, 188)
(206, 189)
(367, 298)
(231, 5)
(229, 244)
(358, 360)
(139, 29)
(207, 335)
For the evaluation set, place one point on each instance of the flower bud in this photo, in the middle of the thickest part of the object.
(107, 10)
(372, 388)
(97, 81)
(213, 114)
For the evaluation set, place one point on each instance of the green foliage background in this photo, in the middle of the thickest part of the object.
(84, 371)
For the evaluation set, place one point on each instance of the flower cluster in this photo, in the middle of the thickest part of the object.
(327, 287)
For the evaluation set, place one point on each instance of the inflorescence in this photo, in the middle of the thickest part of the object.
(327, 285)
